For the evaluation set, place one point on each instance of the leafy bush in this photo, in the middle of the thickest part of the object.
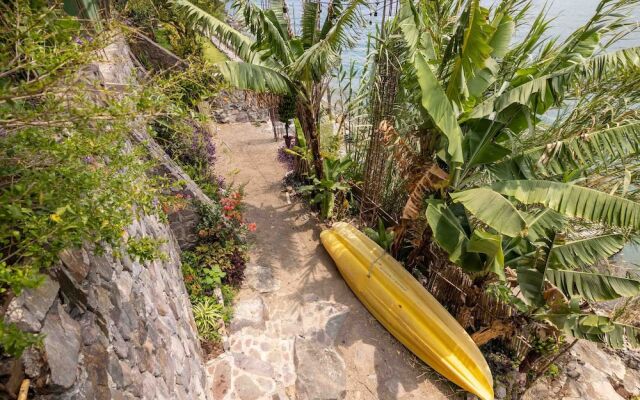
(146, 249)
(324, 191)
(158, 19)
(69, 173)
(208, 314)
(383, 236)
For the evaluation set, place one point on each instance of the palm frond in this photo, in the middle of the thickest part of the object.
(253, 77)
(319, 58)
(211, 26)
(549, 89)
(492, 209)
(575, 201)
(582, 152)
(587, 251)
(591, 286)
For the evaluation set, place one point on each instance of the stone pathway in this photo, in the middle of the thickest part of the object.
(298, 332)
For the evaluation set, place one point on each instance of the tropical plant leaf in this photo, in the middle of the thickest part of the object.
(548, 89)
(253, 77)
(583, 152)
(439, 108)
(591, 286)
(587, 251)
(595, 328)
(317, 59)
(493, 209)
(491, 245)
(479, 144)
(449, 234)
(542, 223)
(501, 32)
(267, 29)
(310, 20)
(211, 26)
(531, 278)
(574, 201)
(408, 21)
(501, 38)
(474, 53)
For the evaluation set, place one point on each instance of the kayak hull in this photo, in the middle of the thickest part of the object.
(407, 310)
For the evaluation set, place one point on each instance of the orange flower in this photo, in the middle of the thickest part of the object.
(252, 227)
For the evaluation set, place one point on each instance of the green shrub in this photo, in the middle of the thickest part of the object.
(208, 314)
(146, 249)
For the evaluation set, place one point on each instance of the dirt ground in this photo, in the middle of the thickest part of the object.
(287, 240)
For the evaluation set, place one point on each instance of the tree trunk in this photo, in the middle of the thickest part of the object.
(310, 129)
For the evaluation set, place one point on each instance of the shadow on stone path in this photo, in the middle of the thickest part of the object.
(298, 332)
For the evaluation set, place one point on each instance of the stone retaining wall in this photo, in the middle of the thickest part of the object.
(115, 327)
(237, 106)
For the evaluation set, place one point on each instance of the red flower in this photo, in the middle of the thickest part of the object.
(252, 227)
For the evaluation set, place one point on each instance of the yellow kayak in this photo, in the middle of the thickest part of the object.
(398, 301)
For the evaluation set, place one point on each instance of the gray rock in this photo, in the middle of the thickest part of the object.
(76, 263)
(149, 388)
(321, 372)
(115, 371)
(500, 392)
(252, 365)
(249, 312)
(261, 278)
(28, 310)
(62, 346)
(221, 377)
(247, 389)
(33, 362)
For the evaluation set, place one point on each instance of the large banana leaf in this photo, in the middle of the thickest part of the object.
(317, 59)
(541, 223)
(587, 251)
(591, 286)
(258, 78)
(474, 53)
(575, 201)
(491, 245)
(479, 145)
(595, 328)
(493, 209)
(449, 234)
(267, 29)
(416, 39)
(439, 108)
(310, 21)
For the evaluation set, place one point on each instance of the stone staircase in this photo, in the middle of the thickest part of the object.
(278, 349)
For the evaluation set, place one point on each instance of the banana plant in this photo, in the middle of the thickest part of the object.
(382, 236)
(278, 60)
(325, 189)
(539, 164)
